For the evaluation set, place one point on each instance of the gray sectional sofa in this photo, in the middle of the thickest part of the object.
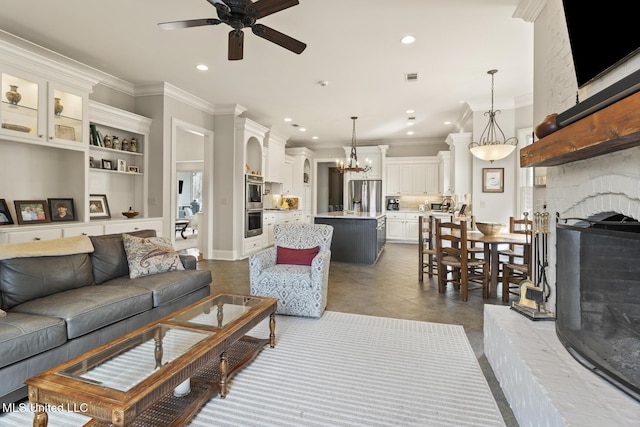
(66, 297)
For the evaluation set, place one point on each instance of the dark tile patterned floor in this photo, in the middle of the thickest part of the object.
(389, 289)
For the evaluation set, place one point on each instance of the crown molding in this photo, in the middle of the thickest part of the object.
(226, 109)
(528, 10)
(167, 89)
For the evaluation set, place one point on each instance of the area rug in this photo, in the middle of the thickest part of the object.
(348, 370)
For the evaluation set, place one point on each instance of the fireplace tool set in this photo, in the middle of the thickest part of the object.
(533, 297)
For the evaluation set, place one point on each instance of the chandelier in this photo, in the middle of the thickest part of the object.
(491, 147)
(353, 165)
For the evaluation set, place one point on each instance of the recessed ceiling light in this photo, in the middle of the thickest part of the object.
(447, 123)
(202, 67)
(408, 39)
(410, 123)
(314, 137)
(287, 119)
(303, 129)
(410, 132)
(410, 111)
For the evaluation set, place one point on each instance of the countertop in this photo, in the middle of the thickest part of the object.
(420, 212)
(355, 215)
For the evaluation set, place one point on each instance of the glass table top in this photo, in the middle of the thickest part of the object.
(219, 311)
(126, 363)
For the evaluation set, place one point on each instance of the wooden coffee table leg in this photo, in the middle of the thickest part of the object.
(272, 330)
(224, 366)
(40, 417)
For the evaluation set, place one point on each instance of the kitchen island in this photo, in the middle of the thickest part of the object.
(358, 238)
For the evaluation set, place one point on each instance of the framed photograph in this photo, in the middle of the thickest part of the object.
(32, 211)
(106, 164)
(135, 169)
(62, 210)
(493, 180)
(5, 215)
(65, 132)
(122, 165)
(98, 206)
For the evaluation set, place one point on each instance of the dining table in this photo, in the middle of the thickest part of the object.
(491, 246)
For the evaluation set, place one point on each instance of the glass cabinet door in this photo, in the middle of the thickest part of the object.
(21, 99)
(68, 116)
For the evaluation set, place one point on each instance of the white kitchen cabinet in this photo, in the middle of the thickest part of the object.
(287, 183)
(412, 175)
(268, 221)
(402, 226)
(275, 158)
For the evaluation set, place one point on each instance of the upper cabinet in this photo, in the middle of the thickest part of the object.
(412, 175)
(275, 157)
(36, 110)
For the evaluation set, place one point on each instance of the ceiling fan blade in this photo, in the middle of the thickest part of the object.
(263, 8)
(176, 25)
(236, 45)
(278, 38)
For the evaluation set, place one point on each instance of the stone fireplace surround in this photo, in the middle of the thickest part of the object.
(542, 382)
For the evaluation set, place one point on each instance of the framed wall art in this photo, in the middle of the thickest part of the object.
(32, 211)
(62, 210)
(5, 215)
(493, 180)
(106, 164)
(122, 165)
(98, 206)
(134, 169)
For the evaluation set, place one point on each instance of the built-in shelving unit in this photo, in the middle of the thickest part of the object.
(614, 128)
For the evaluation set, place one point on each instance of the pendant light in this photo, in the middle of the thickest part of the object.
(493, 145)
(353, 165)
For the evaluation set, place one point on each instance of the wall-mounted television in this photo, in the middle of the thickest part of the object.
(602, 35)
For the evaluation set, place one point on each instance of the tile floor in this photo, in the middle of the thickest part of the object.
(390, 288)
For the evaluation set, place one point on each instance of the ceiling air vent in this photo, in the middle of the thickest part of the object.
(411, 77)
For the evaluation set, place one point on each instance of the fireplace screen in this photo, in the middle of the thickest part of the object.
(598, 298)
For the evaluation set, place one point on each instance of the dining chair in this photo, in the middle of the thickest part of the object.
(515, 261)
(475, 249)
(453, 256)
(426, 247)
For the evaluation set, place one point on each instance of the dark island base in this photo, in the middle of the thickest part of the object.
(356, 241)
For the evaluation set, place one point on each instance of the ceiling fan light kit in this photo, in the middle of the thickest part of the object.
(239, 14)
(493, 145)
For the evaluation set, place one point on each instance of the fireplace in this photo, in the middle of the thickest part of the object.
(598, 296)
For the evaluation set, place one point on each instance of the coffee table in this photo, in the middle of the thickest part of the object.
(136, 379)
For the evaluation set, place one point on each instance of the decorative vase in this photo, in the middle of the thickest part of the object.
(125, 145)
(115, 143)
(133, 145)
(107, 141)
(57, 106)
(548, 126)
(13, 96)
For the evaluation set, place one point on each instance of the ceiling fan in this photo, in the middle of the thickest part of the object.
(240, 14)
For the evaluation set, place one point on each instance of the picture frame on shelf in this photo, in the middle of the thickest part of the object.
(134, 169)
(65, 132)
(106, 164)
(493, 180)
(5, 214)
(62, 209)
(32, 211)
(98, 207)
(122, 165)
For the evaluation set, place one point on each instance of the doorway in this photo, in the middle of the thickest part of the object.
(336, 190)
(192, 186)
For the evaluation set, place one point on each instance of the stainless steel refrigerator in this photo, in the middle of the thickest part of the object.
(365, 195)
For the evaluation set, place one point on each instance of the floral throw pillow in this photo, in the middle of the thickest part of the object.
(150, 255)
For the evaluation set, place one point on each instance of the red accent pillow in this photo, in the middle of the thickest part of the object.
(296, 256)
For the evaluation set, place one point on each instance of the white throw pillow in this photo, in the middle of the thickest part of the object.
(150, 255)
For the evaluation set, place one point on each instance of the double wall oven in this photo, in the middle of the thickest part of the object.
(253, 205)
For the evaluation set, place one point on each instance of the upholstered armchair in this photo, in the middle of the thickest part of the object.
(291, 270)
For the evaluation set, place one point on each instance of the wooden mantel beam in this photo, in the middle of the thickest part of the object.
(614, 128)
